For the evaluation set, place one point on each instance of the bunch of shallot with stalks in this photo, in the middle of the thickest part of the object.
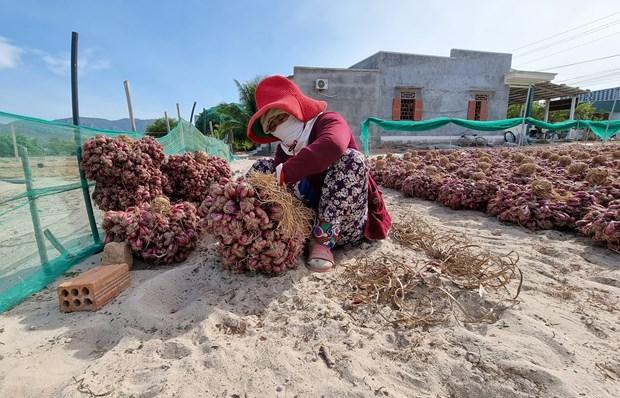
(603, 225)
(259, 225)
(190, 175)
(159, 232)
(126, 171)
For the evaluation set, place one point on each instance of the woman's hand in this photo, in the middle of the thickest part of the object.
(279, 174)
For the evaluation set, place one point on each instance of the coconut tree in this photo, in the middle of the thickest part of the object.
(236, 116)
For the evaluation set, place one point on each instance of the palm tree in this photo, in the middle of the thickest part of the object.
(247, 93)
(237, 116)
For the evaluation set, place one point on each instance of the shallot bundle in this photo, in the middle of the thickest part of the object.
(458, 193)
(422, 185)
(158, 231)
(609, 193)
(126, 171)
(578, 204)
(537, 188)
(190, 175)
(395, 176)
(521, 206)
(603, 225)
(248, 227)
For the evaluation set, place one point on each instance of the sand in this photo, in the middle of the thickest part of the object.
(195, 330)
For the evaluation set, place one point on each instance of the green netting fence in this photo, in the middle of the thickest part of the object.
(44, 224)
(603, 129)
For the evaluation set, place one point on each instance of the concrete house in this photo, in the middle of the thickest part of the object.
(397, 86)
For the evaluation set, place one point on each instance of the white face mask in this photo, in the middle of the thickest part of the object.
(294, 135)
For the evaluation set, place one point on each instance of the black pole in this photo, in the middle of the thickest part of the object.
(74, 79)
(78, 139)
(191, 116)
(204, 121)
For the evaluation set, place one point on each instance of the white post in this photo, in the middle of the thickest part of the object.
(181, 127)
(523, 125)
(211, 127)
(14, 142)
(571, 116)
(573, 105)
(167, 123)
(547, 106)
(613, 108)
(132, 121)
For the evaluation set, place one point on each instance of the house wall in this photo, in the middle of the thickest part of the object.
(353, 93)
(445, 85)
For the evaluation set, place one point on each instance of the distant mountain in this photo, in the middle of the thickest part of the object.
(105, 124)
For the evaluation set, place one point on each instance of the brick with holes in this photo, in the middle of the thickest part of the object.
(94, 288)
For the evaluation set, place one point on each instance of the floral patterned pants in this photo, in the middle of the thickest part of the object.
(343, 202)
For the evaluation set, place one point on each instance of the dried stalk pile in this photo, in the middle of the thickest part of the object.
(428, 293)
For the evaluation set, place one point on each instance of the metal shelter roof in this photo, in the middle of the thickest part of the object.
(544, 91)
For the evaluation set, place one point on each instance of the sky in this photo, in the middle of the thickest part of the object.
(185, 51)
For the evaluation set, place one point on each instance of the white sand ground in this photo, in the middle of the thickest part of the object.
(195, 330)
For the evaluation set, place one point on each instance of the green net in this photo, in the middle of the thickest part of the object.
(186, 138)
(44, 216)
(603, 129)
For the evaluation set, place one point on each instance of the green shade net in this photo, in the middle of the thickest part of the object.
(45, 230)
(603, 129)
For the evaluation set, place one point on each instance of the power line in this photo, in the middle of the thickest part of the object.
(567, 39)
(603, 86)
(594, 81)
(597, 79)
(580, 62)
(571, 48)
(599, 73)
(566, 31)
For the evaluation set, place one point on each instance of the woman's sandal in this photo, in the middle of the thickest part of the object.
(320, 258)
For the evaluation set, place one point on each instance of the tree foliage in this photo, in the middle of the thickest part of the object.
(54, 146)
(537, 111)
(230, 120)
(158, 127)
(32, 144)
(213, 115)
(583, 111)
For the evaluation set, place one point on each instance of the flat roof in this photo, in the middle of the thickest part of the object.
(431, 56)
(335, 69)
(543, 91)
(523, 78)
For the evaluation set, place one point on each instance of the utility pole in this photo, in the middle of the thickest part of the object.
(132, 121)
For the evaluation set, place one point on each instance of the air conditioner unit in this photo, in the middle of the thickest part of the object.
(321, 84)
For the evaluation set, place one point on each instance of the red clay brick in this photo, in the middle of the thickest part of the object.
(94, 288)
